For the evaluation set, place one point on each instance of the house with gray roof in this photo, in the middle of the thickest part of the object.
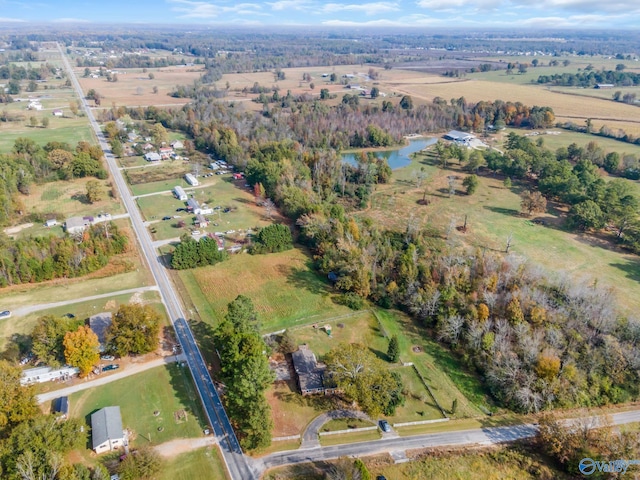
(310, 373)
(106, 430)
(99, 323)
(75, 225)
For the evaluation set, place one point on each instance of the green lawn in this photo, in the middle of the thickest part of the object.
(168, 390)
(355, 437)
(418, 404)
(445, 375)
(346, 424)
(70, 130)
(283, 287)
(204, 463)
(357, 327)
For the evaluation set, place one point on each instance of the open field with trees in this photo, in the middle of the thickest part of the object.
(168, 390)
(282, 286)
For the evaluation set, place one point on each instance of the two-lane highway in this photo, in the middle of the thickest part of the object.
(236, 462)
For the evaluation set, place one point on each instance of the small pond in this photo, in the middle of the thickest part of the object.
(399, 157)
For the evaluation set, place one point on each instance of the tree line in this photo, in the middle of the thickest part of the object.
(30, 163)
(37, 259)
(592, 78)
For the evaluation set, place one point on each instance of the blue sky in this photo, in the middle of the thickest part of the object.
(417, 13)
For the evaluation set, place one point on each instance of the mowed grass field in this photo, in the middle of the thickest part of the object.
(283, 287)
(493, 214)
(202, 463)
(168, 390)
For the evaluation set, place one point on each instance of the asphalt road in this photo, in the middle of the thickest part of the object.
(235, 461)
(479, 436)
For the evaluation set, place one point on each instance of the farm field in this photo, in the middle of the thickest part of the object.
(135, 88)
(283, 287)
(201, 463)
(82, 310)
(493, 214)
(71, 130)
(66, 198)
(168, 390)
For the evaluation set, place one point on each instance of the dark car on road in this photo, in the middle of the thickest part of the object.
(384, 426)
(107, 368)
(166, 218)
(5, 314)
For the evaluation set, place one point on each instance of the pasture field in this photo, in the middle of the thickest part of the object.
(493, 214)
(135, 88)
(201, 463)
(168, 390)
(67, 198)
(567, 137)
(82, 310)
(70, 130)
(283, 287)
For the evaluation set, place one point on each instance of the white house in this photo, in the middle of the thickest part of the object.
(77, 224)
(47, 374)
(152, 157)
(177, 144)
(214, 166)
(106, 430)
(34, 106)
(197, 209)
(58, 113)
(180, 194)
(191, 180)
(52, 222)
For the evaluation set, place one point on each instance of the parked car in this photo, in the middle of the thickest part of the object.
(113, 366)
(176, 216)
(69, 315)
(108, 358)
(384, 426)
(166, 218)
(5, 314)
(381, 477)
(179, 209)
(226, 210)
(229, 232)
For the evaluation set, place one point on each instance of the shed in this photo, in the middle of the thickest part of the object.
(177, 144)
(61, 406)
(52, 222)
(106, 430)
(58, 113)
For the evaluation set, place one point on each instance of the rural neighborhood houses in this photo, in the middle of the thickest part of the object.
(191, 180)
(310, 373)
(47, 374)
(99, 323)
(194, 206)
(179, 193)
(106, 430)
(76, 225)
(152, 157)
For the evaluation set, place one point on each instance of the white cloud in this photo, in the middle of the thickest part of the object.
(200, 9)
(10, 20)
(289, 4)
(451, 5)
(370, 23)
(373, 8)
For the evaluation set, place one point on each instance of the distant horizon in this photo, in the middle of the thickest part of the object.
(419, 14)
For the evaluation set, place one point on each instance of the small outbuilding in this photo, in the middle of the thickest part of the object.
(52, 222)
(152, 157)
(179, 193)
(201, 221)
(191, 180)
(99, 324)
(58, 113)
(61, 407)
(75, 225)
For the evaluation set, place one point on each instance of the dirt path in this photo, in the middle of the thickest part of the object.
(183, 445)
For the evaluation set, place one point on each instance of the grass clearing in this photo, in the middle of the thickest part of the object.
(346, 424)
(357, 327)
(418, 404)
(291, 411)
(168, 390)
(283, 287)
(202, 463)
